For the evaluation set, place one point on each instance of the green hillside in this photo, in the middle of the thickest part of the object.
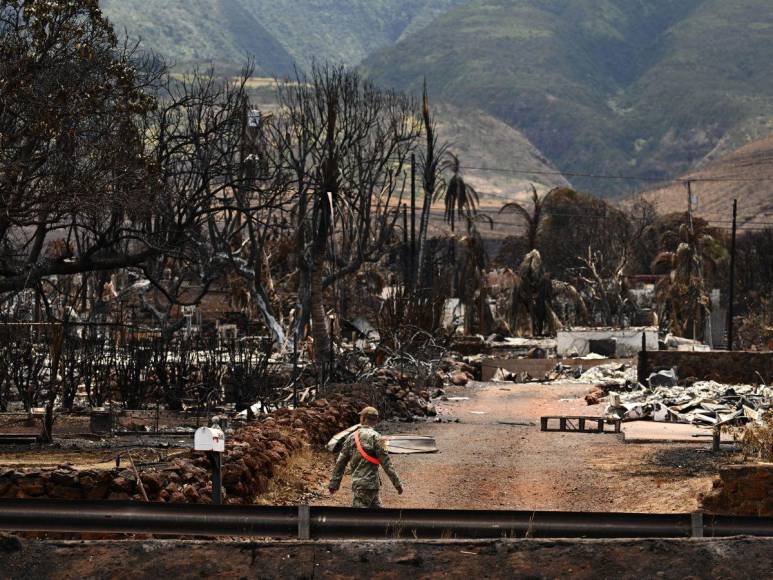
(277, 33)
(643, 87)
(200, 32)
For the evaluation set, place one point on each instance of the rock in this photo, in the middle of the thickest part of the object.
(152, 481)
(122, 485)
(5, 485)
(118, 496)
(459, 379)
(191, 494)
(64, 492)
(32, 486)
(67, 478)
(98, 492)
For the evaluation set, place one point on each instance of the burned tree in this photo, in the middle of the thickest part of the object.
(344, 145)
(72, 160)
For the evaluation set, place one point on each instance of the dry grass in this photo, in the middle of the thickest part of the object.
(297, 480)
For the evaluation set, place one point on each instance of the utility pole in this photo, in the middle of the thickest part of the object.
(413, 219)
(731, 297)
(406, 247)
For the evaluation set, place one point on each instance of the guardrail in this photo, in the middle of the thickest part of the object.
(321, 522)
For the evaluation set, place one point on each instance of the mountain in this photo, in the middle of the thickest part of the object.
(646, 88)
(481, 143)
(277, 33)
(200, 32)
(745, 175)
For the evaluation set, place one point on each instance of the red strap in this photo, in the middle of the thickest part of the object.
(364, 454)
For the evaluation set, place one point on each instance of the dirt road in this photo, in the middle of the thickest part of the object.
(484, 463)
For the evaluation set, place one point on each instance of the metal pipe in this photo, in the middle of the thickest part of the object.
(422, 524)
(333, 522)
(151, 518)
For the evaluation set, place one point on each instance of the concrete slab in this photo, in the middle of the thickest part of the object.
(653, 432)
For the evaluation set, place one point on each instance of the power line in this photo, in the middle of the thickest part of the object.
(718, 179)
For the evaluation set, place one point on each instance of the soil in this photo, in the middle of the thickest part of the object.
(593, 559)
(484, 463)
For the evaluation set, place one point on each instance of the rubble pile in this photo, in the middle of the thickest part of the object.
(455, 371)
(704, 403)
(621, 374)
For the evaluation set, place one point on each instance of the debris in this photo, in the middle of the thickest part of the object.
(459, 379)
(666, 378)
(505, 376)
(409, 444)
(581, 424)
(706, 403)
(610, 373)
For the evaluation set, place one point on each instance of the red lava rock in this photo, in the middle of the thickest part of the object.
(97, 492)
(152, 481)
(459, 379)
(118, 496)
(191, 494)
(65, 478)
(32, 486)
(177, 497)
(122, 485)
(594, 397)
(64, 492)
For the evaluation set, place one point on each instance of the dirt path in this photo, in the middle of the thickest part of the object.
(485, 464)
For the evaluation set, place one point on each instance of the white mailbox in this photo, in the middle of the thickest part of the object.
(209, 439)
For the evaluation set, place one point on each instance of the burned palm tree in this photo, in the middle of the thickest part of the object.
(471, 264)
(683, 293)
(461, 199)
(432, 166)
(532, 219)
(532, 311)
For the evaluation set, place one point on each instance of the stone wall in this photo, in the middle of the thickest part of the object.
(252, 455)
(721, 366)
(742, 490)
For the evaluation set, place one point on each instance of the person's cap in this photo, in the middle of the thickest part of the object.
(369, 412)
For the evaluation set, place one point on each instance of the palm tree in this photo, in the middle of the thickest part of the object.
(533, 218)
(461, 198)
(432, 166)
(683, 293)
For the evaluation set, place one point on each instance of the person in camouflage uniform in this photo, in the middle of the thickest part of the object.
(365, 460)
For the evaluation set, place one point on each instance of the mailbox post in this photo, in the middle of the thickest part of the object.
(212, 441)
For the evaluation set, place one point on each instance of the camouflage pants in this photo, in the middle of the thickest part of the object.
(365, 498)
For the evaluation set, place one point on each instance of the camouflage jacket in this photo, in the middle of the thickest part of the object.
(364, 473)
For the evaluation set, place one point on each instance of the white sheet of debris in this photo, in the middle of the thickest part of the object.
(609, 373)
(705, 403)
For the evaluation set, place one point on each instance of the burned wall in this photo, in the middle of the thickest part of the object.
(722, 366)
